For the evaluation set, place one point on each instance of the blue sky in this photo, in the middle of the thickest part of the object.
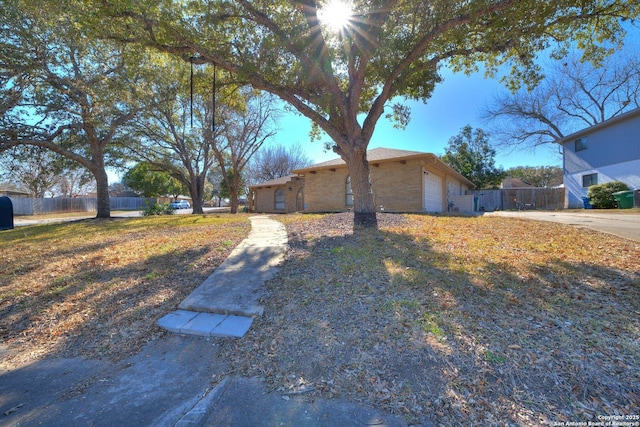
(456, 102)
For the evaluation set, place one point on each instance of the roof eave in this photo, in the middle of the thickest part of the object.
(455, 172)
(609, 122)
(343, 164)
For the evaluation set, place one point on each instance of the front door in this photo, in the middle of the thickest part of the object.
(300, 200)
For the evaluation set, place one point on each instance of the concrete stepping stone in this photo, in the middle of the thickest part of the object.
(205, 324)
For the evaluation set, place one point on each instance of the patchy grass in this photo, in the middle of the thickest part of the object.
(96, 287)
(452, 320)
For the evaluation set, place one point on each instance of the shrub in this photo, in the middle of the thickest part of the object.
(601, 195)
(158, 209)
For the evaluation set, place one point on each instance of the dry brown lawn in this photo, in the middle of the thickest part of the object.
(95, 288)
(452, 320)
(456, 321)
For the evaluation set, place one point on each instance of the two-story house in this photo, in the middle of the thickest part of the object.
(608, 151)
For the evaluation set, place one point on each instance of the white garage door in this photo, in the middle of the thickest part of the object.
(432, 193)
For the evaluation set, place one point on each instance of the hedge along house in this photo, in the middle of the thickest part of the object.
(607, 151)
(402, 181)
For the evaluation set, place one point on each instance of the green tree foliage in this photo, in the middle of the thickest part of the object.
(65, 92)
(180, 135)
(601, 195)
(345, 79)
(231, 177)
(143, 179)
(538, 176)
(158, 209)
(471, 155)
(175, 135)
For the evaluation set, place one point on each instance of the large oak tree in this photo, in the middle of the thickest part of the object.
(65, 93)
(174, 136)
(344, 79)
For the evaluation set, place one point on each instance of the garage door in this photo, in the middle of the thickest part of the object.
(432, 193)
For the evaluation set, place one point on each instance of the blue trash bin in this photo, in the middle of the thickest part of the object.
(6, 213)
(587, 203)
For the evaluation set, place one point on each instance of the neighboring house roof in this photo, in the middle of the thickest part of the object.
(12, 190)
(382, 155)
(275, 182)
(609, 122)
(513, 182)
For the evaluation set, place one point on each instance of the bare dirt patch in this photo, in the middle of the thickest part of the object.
(95, 288)
(453, 320)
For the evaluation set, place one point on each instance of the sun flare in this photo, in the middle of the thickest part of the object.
(335, 14)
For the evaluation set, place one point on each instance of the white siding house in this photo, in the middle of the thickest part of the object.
(608, 151)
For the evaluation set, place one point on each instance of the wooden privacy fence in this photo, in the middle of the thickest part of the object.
(31, 206)
(519, 199)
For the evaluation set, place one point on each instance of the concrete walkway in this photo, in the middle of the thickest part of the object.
(228, 300)
(623, 224)
(181, 379)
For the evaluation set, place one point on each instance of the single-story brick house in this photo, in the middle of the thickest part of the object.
(402, 181)
(280, 195)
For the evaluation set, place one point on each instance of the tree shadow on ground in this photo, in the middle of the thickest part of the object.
(98, 299)
(401, 320)
(97, 307)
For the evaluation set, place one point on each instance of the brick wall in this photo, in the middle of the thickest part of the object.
(396, 185)
(324, 190)
(264, 198)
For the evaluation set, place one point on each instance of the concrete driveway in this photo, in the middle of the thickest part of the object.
(623, 223)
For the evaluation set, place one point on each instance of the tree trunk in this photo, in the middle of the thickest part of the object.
(233, 195)
(234, 189)
(102, 190)
(197, 194)
(234, 201)
(363, 201)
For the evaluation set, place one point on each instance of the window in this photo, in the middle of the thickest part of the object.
(580, 144)
(279, 199)
(349, 192)
(589, 180)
